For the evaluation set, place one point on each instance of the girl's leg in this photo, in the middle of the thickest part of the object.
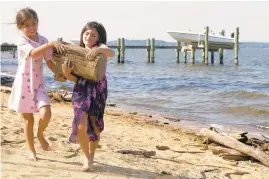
(93, 145)
(29, 134)
(84, 142)
(45, 115)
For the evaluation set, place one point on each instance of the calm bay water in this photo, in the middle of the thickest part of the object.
(231, 96)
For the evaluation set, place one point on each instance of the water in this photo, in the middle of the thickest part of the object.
(234, 97)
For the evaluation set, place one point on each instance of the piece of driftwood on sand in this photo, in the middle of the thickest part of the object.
(145, 153)
(235, 144)
(92, 69)
(227, 153)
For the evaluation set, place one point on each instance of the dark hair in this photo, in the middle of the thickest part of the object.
(24, 15)
(99, 28)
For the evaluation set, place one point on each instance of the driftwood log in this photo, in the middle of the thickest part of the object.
(227, 153)
(236, 145)
(223, 150)
(92, 69)
(162, 147)
(145, 153)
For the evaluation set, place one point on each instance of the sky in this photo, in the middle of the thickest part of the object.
(141, 19)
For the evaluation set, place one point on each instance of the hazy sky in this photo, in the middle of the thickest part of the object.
(141, 19)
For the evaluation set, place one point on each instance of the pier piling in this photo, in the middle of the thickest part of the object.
(148, 50)
(118, 49)
(236, 39)
(221, 55)
(152, 50)
(177, 52)
(206, 45)
(212, 57)
(122, 50)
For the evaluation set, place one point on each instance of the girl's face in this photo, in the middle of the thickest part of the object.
(30, 28)
(90, 37)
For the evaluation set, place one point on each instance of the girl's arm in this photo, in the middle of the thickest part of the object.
(104, 49)
(51, 65)
(67, 69)
(36, 52)
(71, 77)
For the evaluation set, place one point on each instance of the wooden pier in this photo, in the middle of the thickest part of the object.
(205, 47)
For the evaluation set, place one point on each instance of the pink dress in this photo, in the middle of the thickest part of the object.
(28, 94)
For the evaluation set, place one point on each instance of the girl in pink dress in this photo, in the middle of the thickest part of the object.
(28, 94)
(89, 97)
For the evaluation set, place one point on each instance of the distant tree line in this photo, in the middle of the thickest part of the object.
(7, 47)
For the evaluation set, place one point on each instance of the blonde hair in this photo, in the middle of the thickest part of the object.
(24, 15)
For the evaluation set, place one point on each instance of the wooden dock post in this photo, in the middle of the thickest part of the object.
(177, 52)
(236, 39)
(14, 52)
(221, 55)
(152, 49)
(212, 57)
(185, 56)
(203, 55)
(148, 50)
(206, 44)
(192, 55)
(122, 50)
(118, 49)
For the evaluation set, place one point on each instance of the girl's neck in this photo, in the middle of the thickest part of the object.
(89, 47)
(33, 38)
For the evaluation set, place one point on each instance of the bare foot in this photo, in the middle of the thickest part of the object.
(44, 144)
(32, 157)
(91, 158)
(87, 166)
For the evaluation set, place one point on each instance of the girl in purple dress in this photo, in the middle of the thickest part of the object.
(89, 97)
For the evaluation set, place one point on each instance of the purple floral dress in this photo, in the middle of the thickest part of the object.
(89, 97)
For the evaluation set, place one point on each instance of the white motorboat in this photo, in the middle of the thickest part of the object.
(190, 37)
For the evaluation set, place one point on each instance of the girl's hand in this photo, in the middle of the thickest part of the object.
(67, 68)
(60, 78)
(60, 48)
(92, 53)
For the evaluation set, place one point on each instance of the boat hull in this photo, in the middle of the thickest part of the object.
(189, 37)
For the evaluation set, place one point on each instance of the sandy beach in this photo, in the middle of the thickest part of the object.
(123, 131)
